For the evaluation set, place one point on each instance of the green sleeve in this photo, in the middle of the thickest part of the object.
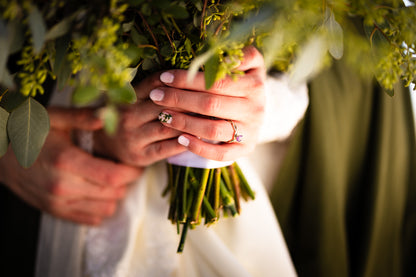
(346, 193)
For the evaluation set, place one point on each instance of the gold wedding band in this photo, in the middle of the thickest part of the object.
(236, 136)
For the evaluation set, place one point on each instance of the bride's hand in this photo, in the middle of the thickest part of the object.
(241, 101)
(140, 139)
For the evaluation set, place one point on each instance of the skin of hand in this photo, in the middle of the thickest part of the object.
(65, 181)
(142, 140)
(241, 100)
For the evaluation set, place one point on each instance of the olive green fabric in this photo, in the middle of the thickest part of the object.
(346, 192)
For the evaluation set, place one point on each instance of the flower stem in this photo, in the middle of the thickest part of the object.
(200, 196)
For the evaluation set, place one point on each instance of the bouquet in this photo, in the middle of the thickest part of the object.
(101, 47)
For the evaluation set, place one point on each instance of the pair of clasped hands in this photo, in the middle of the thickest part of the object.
(72, 184)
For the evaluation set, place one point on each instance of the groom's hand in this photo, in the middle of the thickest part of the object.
(65, 181)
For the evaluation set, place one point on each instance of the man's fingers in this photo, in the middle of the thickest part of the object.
(74, 118)
(68, 185)
(96, 170)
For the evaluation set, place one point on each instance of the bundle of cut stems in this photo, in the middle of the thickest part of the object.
(198, 194)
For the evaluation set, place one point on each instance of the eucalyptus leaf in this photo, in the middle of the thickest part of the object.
(61, 67)
(211, 69)
(197, 63)
(4, 140)
(28, 127)
(11, 100)
(59, 29)
(7, 80)
(84, 95)
(177, 12)
(17, 36)
(4, 46)
(335, 33)
(125, 94)
(109, 115)
(37, 27)
(309, 61)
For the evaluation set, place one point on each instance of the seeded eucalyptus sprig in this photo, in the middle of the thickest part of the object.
(95, 45)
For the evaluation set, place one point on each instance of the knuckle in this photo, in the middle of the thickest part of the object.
(61, 159)
(114, 179)
(164, 131)
(258, 109)
(214, 132)
(109, 208)
(258, 83)
(219, 85)
(212, 105)
(135, 158)
(56, 188)
(156, 149)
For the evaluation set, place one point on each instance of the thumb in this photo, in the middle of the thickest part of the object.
(74, 118)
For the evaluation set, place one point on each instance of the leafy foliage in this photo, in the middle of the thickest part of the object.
(98, 47)
(27, 128)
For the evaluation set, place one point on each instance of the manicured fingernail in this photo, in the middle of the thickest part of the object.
(167, 77)
(165, 117)
(183, 141)
(157, 95)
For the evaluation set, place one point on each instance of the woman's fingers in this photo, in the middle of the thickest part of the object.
(235, 108)
(218, 152)
(239, 87)
(252, 65)
(206, 128)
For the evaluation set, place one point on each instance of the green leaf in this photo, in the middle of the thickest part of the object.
(335, 33)
(135, 2)
(37, 27)
(84, 95)
(197, 63)
(309, 61)
(4, 46)
(61, 67)
(124, 94)
(177, 12)
(7, 80)
(17, 36)
(146, 9)
(4, 140)
(28, 127)
(11, 100)
(109, 116)
(59, 29)
(211, 69)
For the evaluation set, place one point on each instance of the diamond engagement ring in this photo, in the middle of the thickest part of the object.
(236, 136)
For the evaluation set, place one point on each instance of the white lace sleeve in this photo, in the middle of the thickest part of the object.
(285, 107)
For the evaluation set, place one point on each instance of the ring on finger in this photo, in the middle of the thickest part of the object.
(236, 136)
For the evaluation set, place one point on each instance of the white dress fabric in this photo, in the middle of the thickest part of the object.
(139, 240)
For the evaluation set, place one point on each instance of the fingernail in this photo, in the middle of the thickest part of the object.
(165, 117)
(183, 141)
(157, 95)
(167, 77)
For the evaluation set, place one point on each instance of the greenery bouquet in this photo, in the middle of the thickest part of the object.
(101, 47)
